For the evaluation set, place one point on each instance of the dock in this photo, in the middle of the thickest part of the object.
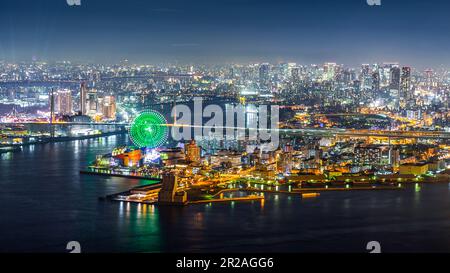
(223, 200)
(381, 188)
(146, 194)
(112, 174)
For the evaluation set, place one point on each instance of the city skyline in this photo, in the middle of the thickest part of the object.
(350, 32)
(194, 126)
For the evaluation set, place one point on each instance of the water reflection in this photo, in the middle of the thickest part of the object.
(38, 211)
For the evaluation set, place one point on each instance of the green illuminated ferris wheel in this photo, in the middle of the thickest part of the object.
(149, 129)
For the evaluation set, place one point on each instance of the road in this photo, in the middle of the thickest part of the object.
(296, 132)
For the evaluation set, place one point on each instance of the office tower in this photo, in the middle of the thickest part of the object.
(346, 76)
(329, 71)
(193, 152)
(429, 79)
(92, 102)
(109, 107)
(295, 74)
(385, 75)
(395, 79)
(394, 158)
(264, 75)
(406, 96)
(376, 81)
(83, 98)
(63, 102)
(231, 73)
(52, 106)
(283, 70)
(290, 67)
(366, 78)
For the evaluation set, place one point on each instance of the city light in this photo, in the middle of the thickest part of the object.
(224, 126)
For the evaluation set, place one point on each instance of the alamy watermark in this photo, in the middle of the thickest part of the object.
(74, 247)
(78, 2)
(374, 2)
(374, 247)
(256, 125)
(73, 2)
(236, 122)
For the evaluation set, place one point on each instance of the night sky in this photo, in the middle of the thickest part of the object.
(413, 32)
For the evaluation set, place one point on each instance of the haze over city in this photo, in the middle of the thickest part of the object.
(350, 32)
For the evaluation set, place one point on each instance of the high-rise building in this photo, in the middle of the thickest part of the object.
(376, 81)
(385, 75)
(406, 95)
(264, 75)
(366, 78)
(92, 102)
(372, 155)
(394, 157)
(109, 107)
(63, 102)
(52, 106)
(83, 98)
(295, 74)
(193, 152)
(429, 79)
(329, 71)
(395, 79)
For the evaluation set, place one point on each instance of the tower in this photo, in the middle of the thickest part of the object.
(52, 106)
(264, 75)
(394, 85)
(406, 95)
(329, 71)
(376, 81)
(83, 98)
(63, 102)
(52, 112)
(109, 107)
(169, 194)
(366, 77)
(193, 152)
(92, 103)
(429, 79)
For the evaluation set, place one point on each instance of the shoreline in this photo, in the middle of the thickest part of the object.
(64, 139)
(87, 172)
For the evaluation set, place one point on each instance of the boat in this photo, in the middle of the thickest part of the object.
(4, 150)
(310, 195)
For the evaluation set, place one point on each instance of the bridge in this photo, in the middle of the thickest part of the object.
(154, 75)
(366, 133)
(325, 132)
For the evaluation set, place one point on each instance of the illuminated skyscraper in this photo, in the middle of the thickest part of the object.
(92, 102)
(193, 152)
(429, 79)
(366, 78)
(295, 74)
(329, 71)
(406, 95)
(264, 75)
(83, 98)
(376, 81)
(385, 75)
(109, 107)
(63, 102)
(52, 106)
(395, 80)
